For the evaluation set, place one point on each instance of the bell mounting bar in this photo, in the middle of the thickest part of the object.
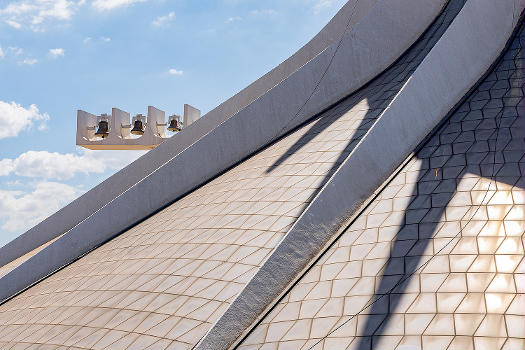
(115, 132)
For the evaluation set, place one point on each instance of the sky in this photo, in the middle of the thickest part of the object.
(57, 56)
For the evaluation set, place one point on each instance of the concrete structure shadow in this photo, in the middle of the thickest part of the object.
(480, 141)
(378, 93)
(321, 124)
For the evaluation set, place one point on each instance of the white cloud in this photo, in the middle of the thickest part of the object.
(56, 52)
(12, 51)
(14, 118)
(106, 5)
(233, 19)
(13, 24)
(264, 12)
(29, 61)
(163, 20)
(103, 39)
(64, 166)
(321, 5)
(59, 9)
(174, 71)
(49, 165)
(20, 210)
(34, 13)
(15, 50)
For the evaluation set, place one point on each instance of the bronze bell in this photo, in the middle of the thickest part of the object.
(103, 129)
(137, 128)
(174, 125)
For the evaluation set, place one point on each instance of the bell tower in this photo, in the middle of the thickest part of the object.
(115, 132)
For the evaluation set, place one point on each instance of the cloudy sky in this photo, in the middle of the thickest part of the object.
(57, 56)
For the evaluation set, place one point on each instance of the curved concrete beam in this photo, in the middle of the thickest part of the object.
(339, 70)
(460, 58)
(350, 14)
(94, 199)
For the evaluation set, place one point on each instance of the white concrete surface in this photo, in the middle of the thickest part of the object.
(191, 115)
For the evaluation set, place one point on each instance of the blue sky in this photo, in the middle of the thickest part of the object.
(57, 56)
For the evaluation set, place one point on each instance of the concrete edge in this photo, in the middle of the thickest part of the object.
(427, 97)
(242, 134)
(79, 209)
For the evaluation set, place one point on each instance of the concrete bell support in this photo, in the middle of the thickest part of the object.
(119, 137)
(191, 114)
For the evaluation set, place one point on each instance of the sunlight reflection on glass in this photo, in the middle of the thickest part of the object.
(493, 229)
(493, 301)
(501, 283)
(502, 197)
(507, 263)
